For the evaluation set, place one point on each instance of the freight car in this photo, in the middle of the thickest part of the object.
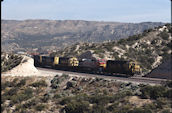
(88, 65)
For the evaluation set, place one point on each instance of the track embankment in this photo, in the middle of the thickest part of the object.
(135, 80)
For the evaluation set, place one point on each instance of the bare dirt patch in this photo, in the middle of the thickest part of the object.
(135, 100)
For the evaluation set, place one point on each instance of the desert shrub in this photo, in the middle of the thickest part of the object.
(20, 109)
(151, 60)
(3, 98)
(154, 41)
(98, 51)
(169, 45)
(105, 99)
(77, 107)
(148, 52)
(168, 94)
(105, 91)
(99, 109)
(140, 110)
(2, 108)
(109, 47)
(57, 80)
(117, 108)
(164, 35)
(25, 95)
(166, 111)
(21, 83)
(153, 92)
(122, 41)
(12, 91)
(151, 106)
(125, 93)
(41, 83)
(70, 84)
(133, 38)
(98, 79)
(45, 98)
(56, 96)
(15, 80)
(124, 108)
(120, 95)
(3, 86)
(166, 56)
(147, 30)
(65, 100)
(113, 106)
(29, 104)
(160, 102)
(7, 84)
(164, 43)
(165, 49)
(28, 92)
(144, 45)
(18, 98)
(82, 96)
(143, 59)
(65, 76)
(115, 55)
(40, 107)
(100, 99)
(15, 99)
(54, 85)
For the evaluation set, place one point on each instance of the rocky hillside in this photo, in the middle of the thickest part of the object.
(149, 49)
(49, 35)
(9, 61)
(162, 71)
(67, 94)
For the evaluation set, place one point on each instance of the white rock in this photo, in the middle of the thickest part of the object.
(26, 68)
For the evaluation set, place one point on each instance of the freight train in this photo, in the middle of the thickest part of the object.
(102, 66)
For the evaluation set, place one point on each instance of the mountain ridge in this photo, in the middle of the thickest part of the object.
(49, 35)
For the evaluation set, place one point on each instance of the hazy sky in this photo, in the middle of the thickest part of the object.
(97, 10)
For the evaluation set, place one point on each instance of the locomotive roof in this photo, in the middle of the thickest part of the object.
(117, 61)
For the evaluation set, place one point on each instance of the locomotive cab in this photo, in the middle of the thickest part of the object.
(135, 68)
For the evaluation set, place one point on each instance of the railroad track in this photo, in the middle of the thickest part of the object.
(135, 79)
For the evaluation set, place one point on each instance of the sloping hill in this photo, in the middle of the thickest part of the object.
(149, 49)
(49, 35)
(162, 71)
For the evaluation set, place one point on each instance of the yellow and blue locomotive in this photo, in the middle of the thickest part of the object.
(88, 65)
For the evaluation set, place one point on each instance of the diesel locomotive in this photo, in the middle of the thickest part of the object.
(112, 67)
